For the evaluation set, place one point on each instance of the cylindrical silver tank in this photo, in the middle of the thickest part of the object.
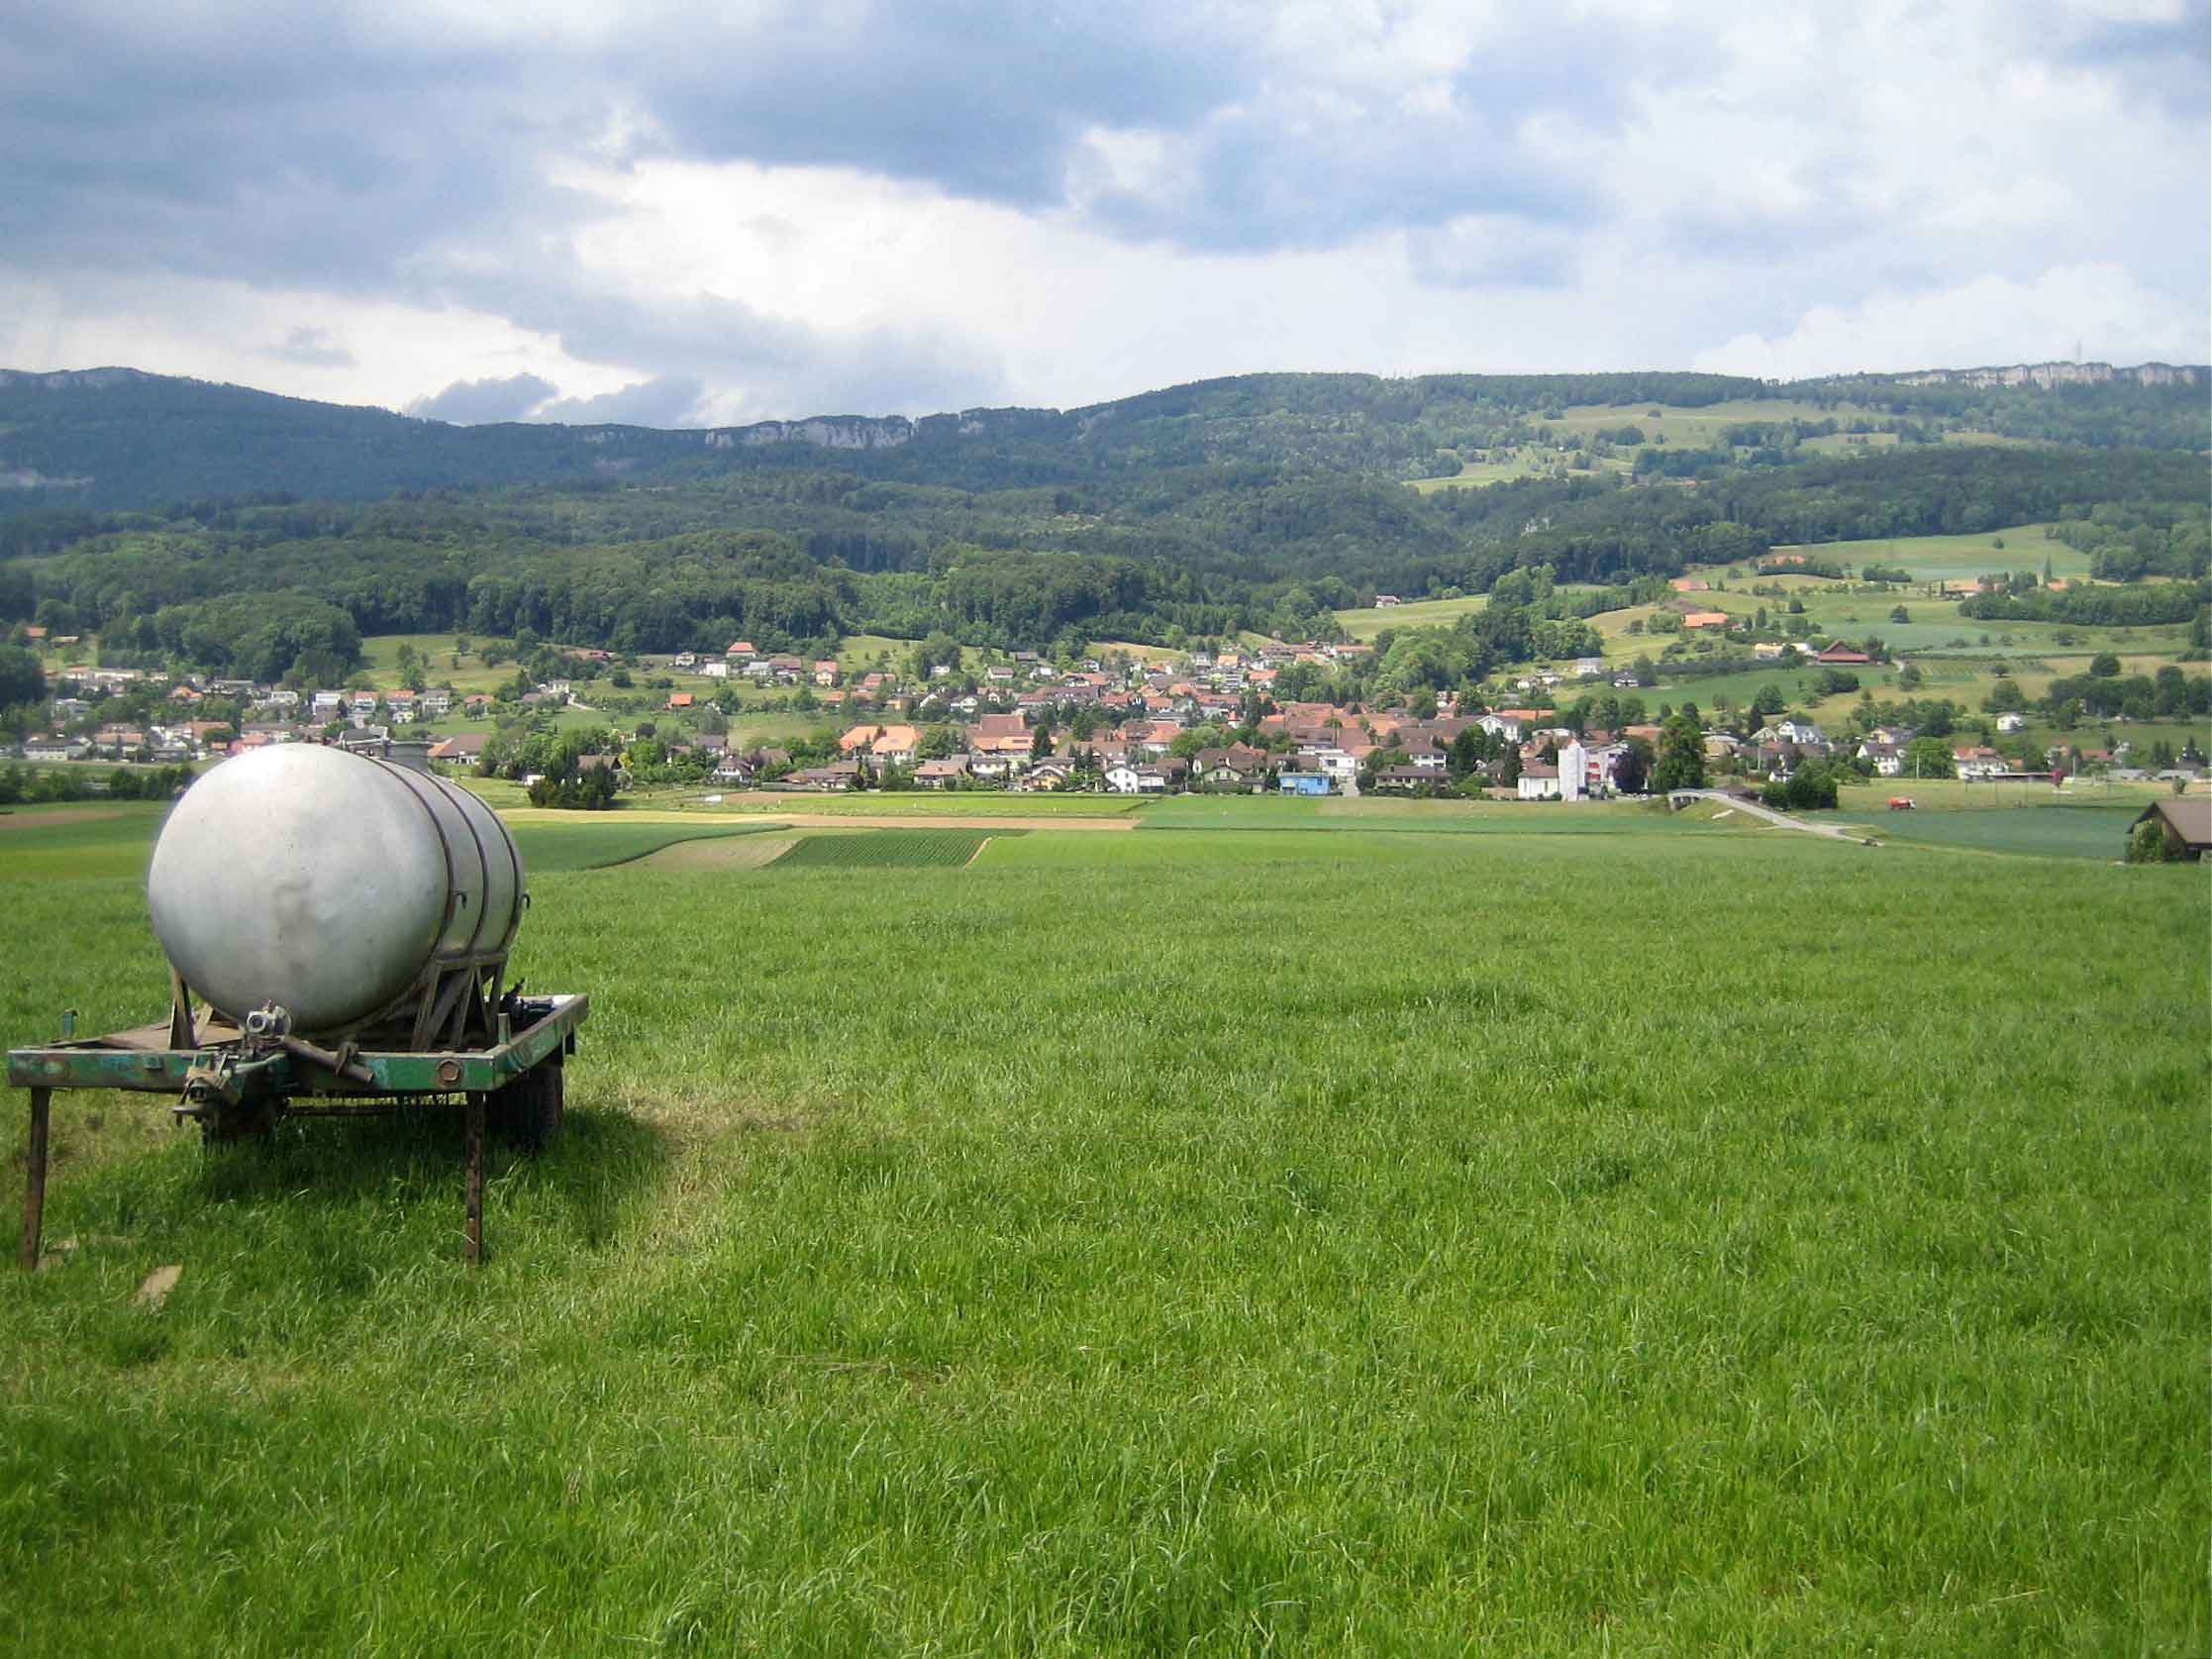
(329, 884)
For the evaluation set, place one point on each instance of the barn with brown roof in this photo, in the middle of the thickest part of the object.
(2186, 825)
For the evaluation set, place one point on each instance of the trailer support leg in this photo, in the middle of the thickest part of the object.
(474, 1225)
(34, 1178)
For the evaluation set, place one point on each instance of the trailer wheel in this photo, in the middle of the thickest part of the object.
(528, 1110)
(226, 1125)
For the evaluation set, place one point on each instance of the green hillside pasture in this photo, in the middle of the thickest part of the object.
(1854, 611)
(1158, 655)
(1678, 428)
(1957, 558)
(1418, 613)
(1500, 1243)
(886, 850)
(380, 659)
(1700, 428)
(2082, 832)
(1532, 460)
(857, 653)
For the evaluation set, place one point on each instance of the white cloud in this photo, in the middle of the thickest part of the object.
(868, 208)
(1990, 320)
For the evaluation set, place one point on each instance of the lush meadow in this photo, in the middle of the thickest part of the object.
(1377, 1240)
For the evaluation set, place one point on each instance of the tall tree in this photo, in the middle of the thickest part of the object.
(1681, 756)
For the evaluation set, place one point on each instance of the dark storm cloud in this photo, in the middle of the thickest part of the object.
(283, 148)
(305, 145)
(983, 98)
(665, 401)
(481, 402)
(692, 345)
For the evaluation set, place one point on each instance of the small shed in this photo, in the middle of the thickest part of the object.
(2186, 825)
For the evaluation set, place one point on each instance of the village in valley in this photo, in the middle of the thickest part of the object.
(1726, 679)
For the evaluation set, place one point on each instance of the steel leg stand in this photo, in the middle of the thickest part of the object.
(473, 1227)
(34, 1178)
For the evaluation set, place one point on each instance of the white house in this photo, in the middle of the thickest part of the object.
(1888, 758)
(1540, 781)
(1805, 734)
(2011, 722)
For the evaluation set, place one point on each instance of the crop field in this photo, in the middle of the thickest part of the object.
(86, 839)
(1374, 1240)
(597, 842)
(922, 803)
(1380, 815)
(2085, 832)
(885, 850)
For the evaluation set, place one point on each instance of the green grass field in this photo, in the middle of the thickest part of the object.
(380, 658)
(858, 653)
(1184, 1240)
(40, 844)
(1365, 624)
(1959, 558)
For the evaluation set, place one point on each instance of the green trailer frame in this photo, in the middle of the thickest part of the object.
(216, 1070)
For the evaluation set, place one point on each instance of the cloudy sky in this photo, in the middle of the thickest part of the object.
(683, 215)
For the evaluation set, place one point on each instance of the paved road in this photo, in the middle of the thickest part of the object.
(1683, 797)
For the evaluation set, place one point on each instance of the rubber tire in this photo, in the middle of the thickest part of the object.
(527, 1113)
(234, 1125)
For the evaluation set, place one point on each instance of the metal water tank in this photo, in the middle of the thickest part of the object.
(329, 884)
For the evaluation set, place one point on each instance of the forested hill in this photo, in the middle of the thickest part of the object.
(112, 439)
(142, 507)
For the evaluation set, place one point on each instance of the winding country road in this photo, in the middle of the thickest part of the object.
(1679, 798)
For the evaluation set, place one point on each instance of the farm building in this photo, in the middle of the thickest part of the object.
(2186, 825)
(1540, 781)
